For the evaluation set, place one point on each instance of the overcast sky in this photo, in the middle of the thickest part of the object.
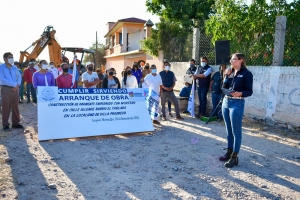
(75, 21)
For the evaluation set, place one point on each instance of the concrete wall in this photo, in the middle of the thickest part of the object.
(276, 92)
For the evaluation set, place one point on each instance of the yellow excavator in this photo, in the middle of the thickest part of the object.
(56, 52)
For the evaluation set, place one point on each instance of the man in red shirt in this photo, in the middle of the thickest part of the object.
(65, 79)
(28, 79)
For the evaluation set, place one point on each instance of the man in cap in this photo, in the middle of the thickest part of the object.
(28, 73)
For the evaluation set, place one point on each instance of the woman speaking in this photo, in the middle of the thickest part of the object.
(237, 85)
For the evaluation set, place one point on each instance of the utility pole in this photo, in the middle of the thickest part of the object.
(96, 47)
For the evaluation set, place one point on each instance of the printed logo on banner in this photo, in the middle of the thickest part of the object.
(48, 94)
(132, 94)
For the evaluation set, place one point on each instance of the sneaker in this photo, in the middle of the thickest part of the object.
(5, 128)
(170, 115)
(155, 122)
(17, 126)
(179, 118)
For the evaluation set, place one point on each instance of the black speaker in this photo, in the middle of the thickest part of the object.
(222, 49)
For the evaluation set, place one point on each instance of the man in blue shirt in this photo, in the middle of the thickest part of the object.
(202, 78)
(10, 79)
(216, 92)
(168, 82)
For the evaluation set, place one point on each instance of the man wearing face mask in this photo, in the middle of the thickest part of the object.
(111, 81)
(191, 71)
(10, 79)
(202, 78)
(36, 67)
(65, 79)
(89, 78)
(154, 82)
(168, 82)
(28, 74)
(53, 70)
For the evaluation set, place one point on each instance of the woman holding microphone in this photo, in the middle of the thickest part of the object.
(238, 82)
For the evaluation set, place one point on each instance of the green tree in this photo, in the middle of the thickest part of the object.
(188, 13)
(99, 55)
(251, 28)
(170, 37)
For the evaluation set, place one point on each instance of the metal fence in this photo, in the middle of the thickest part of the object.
(259, 49)
(179, 49)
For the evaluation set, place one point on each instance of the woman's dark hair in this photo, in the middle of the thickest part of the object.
(135, 65)
(125, 74)
(42, 61)
(241, 56)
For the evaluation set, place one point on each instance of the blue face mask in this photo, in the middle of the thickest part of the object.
(192, 65)
(154, 71)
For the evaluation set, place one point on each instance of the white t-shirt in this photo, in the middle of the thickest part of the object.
(153, 82)
(54, 71)
(131, 82)
(90, 78)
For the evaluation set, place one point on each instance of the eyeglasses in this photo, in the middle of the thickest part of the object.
(233, 59)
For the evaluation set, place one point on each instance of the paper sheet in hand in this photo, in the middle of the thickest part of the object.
(227, 91)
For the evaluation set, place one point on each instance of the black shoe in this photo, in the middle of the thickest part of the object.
(170, 115)
(28, 101)
(18, 126)
(233, 161)
(34, 101)
(164, 118)
(5, 128)
(227, 155)
(20, 101)
(186, 112)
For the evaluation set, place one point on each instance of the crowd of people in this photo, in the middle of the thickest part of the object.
(238, 80)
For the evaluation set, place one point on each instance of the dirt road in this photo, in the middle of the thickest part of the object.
(178, 161)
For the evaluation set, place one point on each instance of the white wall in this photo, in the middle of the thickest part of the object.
(134, 40)
(276, 92)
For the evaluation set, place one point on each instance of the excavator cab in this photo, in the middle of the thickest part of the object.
(76, 51)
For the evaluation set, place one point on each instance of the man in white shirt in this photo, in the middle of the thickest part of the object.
(129, 81)
(53, 70)
(154, 82)
(90, 78)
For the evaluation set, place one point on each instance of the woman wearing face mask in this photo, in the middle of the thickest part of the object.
(43, 77)
(111, 81)
(137, 72)
(239, 80)
(129, 80)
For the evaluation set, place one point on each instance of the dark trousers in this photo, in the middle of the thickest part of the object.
(31, 89)
(10, 101)
(171, 96)
(202, 95)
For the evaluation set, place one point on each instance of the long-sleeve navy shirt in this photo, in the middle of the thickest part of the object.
(241, 82)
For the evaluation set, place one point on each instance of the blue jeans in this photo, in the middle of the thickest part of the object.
(30, 89)
(233, 111)
(21, 91)
(216, 98)
(202, 95)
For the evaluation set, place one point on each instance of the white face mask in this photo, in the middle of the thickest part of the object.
(10, 60)
(203, 64)
(52, 66)
(167, 68)
(44, 66)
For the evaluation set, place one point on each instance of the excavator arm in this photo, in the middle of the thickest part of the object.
(47, 39)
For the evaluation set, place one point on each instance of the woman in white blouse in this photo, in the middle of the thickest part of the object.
(129, 80)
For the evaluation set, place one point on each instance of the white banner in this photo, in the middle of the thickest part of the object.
(82, 112)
